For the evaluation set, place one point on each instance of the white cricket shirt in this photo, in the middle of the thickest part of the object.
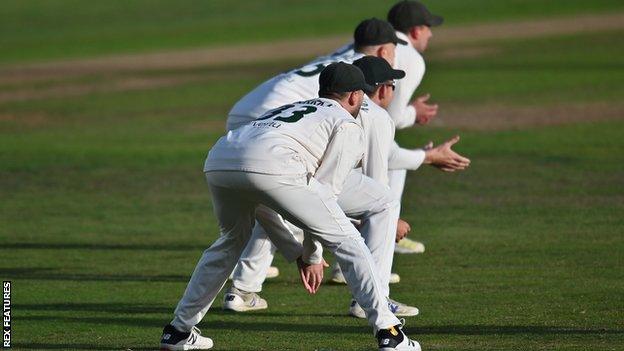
(317, 137)
(408, 59)
(296, 85)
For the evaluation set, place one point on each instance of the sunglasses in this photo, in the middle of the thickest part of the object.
(393, 85)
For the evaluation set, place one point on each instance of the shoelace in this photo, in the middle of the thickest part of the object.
(409, 341)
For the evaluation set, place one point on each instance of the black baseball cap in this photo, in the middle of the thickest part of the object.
(340, 77)
(409, 13)
(374, 31)
(377, 70)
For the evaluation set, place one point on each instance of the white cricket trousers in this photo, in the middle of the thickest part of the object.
(361, 198)
(396, 178)
(306, 203)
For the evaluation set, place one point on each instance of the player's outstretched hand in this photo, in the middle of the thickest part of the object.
(403, 228)
(311, 274)
(424, 111)
(445, 159)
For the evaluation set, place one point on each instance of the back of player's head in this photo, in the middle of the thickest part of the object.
(410, 13)
(340, 77)
(374, 31)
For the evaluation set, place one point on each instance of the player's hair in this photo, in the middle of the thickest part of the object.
(334, 95)
(365, 49)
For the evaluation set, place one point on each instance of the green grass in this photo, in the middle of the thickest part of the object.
(104, 209)
(41, 30)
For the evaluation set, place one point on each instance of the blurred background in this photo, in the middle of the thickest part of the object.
(108, 108)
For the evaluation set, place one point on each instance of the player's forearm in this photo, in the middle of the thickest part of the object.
(401, 158)
(312, 250)
(406, 117)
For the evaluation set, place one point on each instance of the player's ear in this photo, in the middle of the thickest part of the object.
(413, 32)
(353, 98)
(381, 52)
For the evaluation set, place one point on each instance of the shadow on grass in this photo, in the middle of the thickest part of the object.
(506, 330)
(48, 274)
(122, 308)
(41, 346)
(138, 308)
(253, 325)
(94, 246)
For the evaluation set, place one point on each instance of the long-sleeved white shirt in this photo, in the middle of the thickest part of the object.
(408, 59)
(295, 85)
(378, 130)
(316, 137)
(381, 152)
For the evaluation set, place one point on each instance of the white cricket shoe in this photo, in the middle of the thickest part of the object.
(272, 272)
(393, 339)
(242, 301)
(409, 246)
(402, 310)
(355, 310)
(399, 309)
(173, 339)
(337, 276)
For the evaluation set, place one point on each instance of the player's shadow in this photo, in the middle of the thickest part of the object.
(506, 330)
(45, 273)
(116, 308)
(101, 246)
(66, 346)
(253, 325)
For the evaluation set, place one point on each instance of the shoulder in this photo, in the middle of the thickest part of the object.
(375, 113)
(407, 53)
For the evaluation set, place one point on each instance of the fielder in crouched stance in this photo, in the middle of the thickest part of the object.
(294, 160)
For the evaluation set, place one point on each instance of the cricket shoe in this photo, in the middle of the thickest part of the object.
(173, 339)
(242, 301)
(393, 339)
(399, 309)
(409, 246)
(272, 272)
(402, 310)
(337, 276)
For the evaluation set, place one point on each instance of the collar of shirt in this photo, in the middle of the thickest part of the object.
(403, 36)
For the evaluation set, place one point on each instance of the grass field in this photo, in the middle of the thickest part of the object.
(104, 210)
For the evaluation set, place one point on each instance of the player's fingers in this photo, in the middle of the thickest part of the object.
(461, 159)
(453, 141)
(325, 264)
(424, 98)
(313, 282)
(319, 280)
(304, 280)
(463, 163)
